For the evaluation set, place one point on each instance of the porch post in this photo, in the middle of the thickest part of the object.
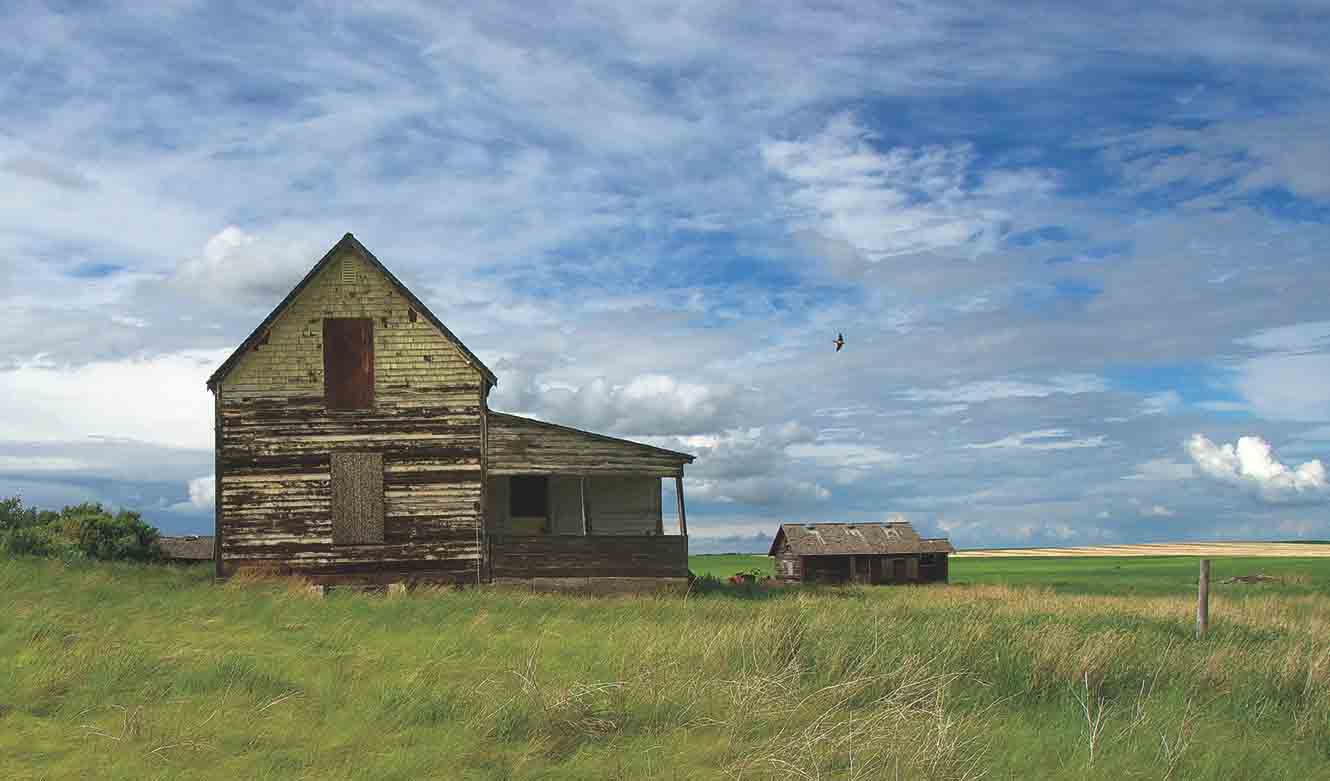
(678, 494)
(581, 485)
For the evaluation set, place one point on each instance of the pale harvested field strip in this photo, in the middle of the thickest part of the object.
(1215, 549)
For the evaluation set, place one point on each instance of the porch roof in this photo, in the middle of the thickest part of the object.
(519, 445)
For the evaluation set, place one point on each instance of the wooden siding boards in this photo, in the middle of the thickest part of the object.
(518, 445)
(276, 435)
(563, 556)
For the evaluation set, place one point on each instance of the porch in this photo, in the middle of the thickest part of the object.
(560, 503)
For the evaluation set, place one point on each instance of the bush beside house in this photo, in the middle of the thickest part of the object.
(86, 530)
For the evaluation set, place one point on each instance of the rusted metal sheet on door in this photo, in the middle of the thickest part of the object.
(348, 362)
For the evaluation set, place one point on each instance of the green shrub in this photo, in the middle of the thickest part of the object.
(123, 536)
(29, 541)
(79, 531)
(13, 515)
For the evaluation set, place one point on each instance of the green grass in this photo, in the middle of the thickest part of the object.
(1118, 575)
(723, 565)
(121, 671)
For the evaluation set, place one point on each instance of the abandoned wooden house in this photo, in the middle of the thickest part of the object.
(355, 445)
(891, 552)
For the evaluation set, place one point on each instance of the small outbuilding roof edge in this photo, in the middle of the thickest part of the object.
(849, 539)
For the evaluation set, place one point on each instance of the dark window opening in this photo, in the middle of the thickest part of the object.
(528, 497)
(348, 362)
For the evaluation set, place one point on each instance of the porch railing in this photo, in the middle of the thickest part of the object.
(595, 555)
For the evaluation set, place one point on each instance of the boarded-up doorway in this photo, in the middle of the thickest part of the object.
(357, 498)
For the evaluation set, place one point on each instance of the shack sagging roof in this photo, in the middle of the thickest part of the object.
(192, 547)
(857, 539)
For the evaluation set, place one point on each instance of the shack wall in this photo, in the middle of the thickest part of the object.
(276, 436)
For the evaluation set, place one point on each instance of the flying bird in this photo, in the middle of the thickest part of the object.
(840, 341)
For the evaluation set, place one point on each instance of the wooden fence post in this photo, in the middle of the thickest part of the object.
(1203, 600)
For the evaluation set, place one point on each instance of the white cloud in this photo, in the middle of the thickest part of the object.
(40, 464)
(159, 399)
(1158, 511)
(1162, 469)
(896, 201)
(1044, 439)
(989, 390)
(651, 404)
(1287, 386)
(1291, 381)
(203, 491)
(1251, 464)
(1160, 403)
(843, 454)
(758, 491)
(236, 263)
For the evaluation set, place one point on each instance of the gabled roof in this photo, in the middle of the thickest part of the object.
(842, 539)
(348, 242)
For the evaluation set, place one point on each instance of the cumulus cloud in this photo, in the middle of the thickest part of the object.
(236, 263)
(1251, 464)
(158, 398)
(653, 404)
(203, 491)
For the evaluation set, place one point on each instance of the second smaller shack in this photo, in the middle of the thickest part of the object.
(873, 553)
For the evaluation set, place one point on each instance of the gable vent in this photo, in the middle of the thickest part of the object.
(348, 272)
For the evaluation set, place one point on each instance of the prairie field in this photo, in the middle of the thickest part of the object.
(1299, 550)
(1018, 669)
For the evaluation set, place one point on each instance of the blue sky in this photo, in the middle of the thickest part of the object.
(1078, 254)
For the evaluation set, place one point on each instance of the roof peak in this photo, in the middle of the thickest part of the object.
(348, 240)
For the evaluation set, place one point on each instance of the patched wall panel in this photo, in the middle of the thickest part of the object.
(357, 498)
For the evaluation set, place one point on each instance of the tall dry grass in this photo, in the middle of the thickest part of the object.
(120, 671)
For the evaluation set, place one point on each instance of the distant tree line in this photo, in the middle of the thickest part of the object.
(81, 531)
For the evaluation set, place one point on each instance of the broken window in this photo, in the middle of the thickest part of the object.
(528, 503)
(348, 362)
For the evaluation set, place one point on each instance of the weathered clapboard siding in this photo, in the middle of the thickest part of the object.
(518, 445)
(277, 435)
(564, 556)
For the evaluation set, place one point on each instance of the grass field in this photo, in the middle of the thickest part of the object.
(1301, 550)
(118, 671)
(1108, 575)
